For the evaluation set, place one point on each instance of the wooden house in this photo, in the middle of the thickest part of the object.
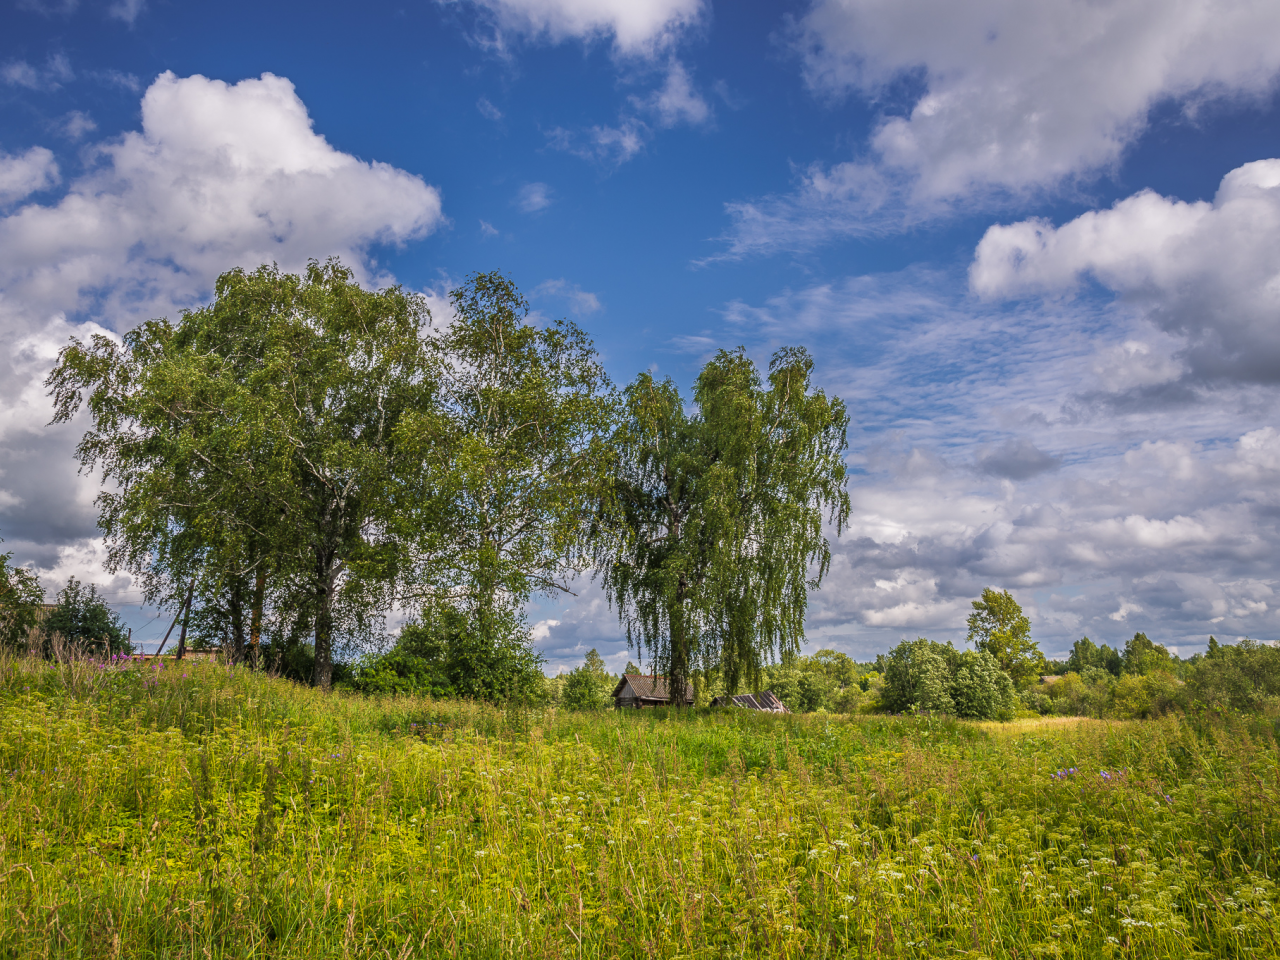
(634, 691)
(764, 701)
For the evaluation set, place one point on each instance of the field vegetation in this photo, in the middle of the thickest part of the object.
(206, 810)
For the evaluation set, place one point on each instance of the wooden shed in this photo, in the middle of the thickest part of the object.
(634, 691)
(765, 701)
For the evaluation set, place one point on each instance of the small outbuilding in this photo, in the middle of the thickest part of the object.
(764, 701)
(634, 691)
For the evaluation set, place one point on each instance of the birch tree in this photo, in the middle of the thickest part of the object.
(513, 458)
(253, 444)
(713, 534)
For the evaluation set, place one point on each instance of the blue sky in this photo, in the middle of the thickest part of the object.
(1034, 246)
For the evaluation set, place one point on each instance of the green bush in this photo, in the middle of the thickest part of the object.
(917, 677)
(83, 619)
(920, 675)
(1242, 677)
(20, 600)
(450, 655)
(588, 687)
(980, 689)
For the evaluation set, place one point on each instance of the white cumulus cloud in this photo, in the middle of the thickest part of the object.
(1019, 95)
(636, 27)
(25, 173)
(1207, 272)
(220, 175)
(986, 102)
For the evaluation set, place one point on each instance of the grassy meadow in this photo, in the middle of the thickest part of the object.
(202, 811)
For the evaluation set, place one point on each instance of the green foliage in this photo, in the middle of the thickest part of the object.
(253, 445)
(920, 676)
(1243, 676)
(999, 627)
(1137, 696)
(1085, 654)
(1141, 656)
(589, 686)
(980, 689)
(448, 654)
(714, 535)
(215, 812)
(20, 600)
(917, 677)
(513, 454)
(83, 619)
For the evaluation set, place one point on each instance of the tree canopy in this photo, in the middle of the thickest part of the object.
(713, 531)
(20, 601)
(257, 438)
(920, 675)
(512, 455)
(998, 626)
(82, 618)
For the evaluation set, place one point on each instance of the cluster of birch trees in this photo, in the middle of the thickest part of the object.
(302, 455)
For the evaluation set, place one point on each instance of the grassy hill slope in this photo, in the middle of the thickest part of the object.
(200, 811)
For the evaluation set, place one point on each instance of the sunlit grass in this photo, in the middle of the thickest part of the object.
(205, 812)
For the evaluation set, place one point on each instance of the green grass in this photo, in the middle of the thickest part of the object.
(205, 812)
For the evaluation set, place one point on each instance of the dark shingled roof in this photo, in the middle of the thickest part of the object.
(649, 688)
(765, 701)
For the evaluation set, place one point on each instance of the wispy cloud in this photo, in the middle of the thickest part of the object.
(675, 103)
(637, 29)
(533, 198)
(1006, 103)
(56, 72)
(992, 445)
(127, 10)
(580, 301)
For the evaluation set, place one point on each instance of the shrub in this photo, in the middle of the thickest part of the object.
(920, 675)
(917, 676)
(1241, 676)
(20, 599)
(449, 654)
(980, 690)
(83, 619)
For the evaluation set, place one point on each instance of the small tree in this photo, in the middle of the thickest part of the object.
(83, 619)
(917, 676)
(1141, 656)
(980, 690)
(588, 687)
(20, 601)
(998, 626)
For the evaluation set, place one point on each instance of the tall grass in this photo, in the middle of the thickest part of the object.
(204, 811)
